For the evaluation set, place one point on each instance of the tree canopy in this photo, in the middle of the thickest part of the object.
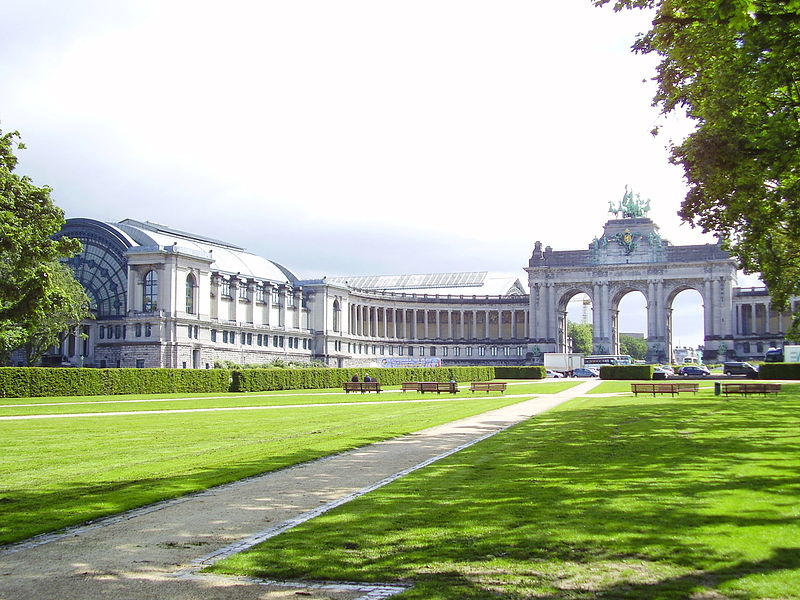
(33, 284)
(734, 67)
(636, 347)
(581, 334)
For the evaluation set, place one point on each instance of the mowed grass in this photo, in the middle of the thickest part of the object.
(65, 470)
(690, 497)
(95, 404)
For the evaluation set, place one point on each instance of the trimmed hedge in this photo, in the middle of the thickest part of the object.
(29, 382)
(259, 380)
(520, 372)
(626, 372)
(781, 370)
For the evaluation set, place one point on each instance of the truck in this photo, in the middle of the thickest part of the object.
(563, 362)
(785, 354)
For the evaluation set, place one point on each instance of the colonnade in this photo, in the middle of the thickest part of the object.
(425, 323)
(758, 318)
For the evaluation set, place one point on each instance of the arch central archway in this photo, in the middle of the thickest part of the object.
(630, 256)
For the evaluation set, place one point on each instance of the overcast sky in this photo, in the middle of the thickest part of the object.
(346, 137)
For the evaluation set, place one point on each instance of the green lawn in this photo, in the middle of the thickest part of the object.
(60, 471)
(95, 404)
(619, 497)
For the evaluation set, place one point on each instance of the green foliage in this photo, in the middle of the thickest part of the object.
(29, 382)
(779, 371)
(581, 334)
(258, 380)
(734, 67)
(626, 372)
(520, 372)
(29, 291)
(636, 347)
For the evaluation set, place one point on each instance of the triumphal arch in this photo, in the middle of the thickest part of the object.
(630, 256)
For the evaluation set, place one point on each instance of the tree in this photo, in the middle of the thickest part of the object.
(70, 306)
(636, 347)
(734, 66)
(581, 334)
(32, 289)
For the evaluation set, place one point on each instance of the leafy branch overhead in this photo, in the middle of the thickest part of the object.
(734, 67)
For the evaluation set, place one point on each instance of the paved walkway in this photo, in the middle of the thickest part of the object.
(155, 552)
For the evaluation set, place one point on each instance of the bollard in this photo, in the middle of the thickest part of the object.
(717, 388)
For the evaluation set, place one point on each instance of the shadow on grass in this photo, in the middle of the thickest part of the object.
(613, 498)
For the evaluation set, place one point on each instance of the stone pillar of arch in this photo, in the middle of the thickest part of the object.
(631, 255)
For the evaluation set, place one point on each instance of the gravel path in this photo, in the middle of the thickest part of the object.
(154, 552)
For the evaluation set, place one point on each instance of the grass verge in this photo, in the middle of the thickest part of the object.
(691, 497)
(61, 471)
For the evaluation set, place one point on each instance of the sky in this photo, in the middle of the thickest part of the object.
(343, 137)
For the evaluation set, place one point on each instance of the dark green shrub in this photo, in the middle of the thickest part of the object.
(626, 372)
(257, 380)
(779, 371)
(531, 372)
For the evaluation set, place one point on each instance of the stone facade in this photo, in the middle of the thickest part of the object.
(166, 298)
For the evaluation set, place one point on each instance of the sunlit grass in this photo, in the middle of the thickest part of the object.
(60, 471)
(617, 497)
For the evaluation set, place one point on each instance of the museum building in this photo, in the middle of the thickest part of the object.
(167, 298)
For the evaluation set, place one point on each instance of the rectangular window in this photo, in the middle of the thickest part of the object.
(243, 290)
(411, 350)
(189, 327)
(232, 337)
(147, 330)
(224, 337)
(381, 349)
(506, 351)
(140, 363)
(444, 351)
(422, 350)
(276, 296)
(291, 299)
(391, 350)
(494, 350)
(433, 350)
(481, 350)
(280, 341)
(249, 339)
(261, 294)
(469, 351)
(226, 288)
(102, 332)
(137, 330)
(456, 351)
(213, 335)
(275, 341)
(399, 351)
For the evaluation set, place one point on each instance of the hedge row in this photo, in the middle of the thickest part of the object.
(258, 380)
(28, 382)
(626, 372)
(520, 372)
(779, 371)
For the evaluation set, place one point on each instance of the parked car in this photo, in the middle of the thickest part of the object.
(551, 373)
(586, 373)
(667, 369)
(695, 370)
(660, 372)
(739, 368)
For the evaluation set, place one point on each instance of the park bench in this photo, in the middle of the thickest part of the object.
(361, 386)
(744, 389)
(430, 386)
(487, 386)
(663, 388)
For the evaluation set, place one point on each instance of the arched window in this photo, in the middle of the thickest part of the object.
(150, 300)
(191, 285)
(337, 313)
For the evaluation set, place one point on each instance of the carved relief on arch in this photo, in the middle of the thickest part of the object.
(567, 293)
(676, 286)
(619, 290)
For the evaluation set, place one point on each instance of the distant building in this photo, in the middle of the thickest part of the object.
(162, 297)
